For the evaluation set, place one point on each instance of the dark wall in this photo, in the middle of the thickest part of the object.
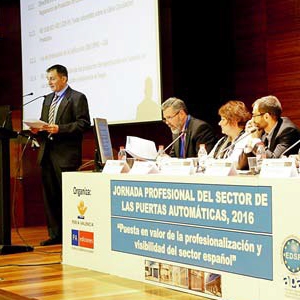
(10, 53)
(202, 55)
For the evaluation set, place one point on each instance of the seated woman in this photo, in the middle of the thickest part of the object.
(234, 116)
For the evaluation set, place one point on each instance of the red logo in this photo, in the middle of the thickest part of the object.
(86, 239)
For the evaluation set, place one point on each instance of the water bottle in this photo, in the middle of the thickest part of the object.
(260, 155)
(122, 153)
(160, 152)
(160, 156)
(202, 156)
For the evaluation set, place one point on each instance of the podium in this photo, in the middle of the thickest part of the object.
(5, 218)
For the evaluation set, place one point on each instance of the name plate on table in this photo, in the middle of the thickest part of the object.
(220, 167)
(144, 167)
(116, 167)
(178, 167)
(278, 167)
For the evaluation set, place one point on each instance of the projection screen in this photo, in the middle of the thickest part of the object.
(110, 48)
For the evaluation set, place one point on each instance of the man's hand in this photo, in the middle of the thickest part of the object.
(250, 126)
(34, 130)
(51, 128)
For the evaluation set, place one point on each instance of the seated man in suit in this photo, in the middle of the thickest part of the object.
(278, 133)
(196, 132)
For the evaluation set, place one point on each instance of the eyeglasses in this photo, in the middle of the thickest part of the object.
(258, 115)
(171, 117)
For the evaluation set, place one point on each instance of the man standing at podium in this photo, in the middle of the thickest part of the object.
(67, 114)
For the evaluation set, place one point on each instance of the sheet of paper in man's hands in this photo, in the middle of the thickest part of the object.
(35, 123)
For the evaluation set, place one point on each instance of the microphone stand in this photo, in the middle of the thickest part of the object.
(289, 148)
(34, 142)
(43, 96)
(174, 141)
(238, 140)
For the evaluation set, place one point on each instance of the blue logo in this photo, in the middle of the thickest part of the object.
(74, 237)
(291, 255)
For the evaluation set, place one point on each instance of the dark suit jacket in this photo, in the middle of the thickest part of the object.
(73, 119)
(198, 132)
(285, 134)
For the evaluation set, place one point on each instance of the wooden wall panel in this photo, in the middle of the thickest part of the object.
(283, 54)
(250, 46)
(267, 46)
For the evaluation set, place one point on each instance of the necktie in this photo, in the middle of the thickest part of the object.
(52, 109)
(265, 140)
(182, 146)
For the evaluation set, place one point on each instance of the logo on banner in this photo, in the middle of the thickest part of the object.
(291, 259)
(81, 209)
(291, 254)
(83, 239)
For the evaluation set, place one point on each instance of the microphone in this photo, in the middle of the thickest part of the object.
(29, 94)
(230, 147)
(174, 141)
(289, 148)
(39, 97)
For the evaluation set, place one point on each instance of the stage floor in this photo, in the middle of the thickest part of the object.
(40, 275)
